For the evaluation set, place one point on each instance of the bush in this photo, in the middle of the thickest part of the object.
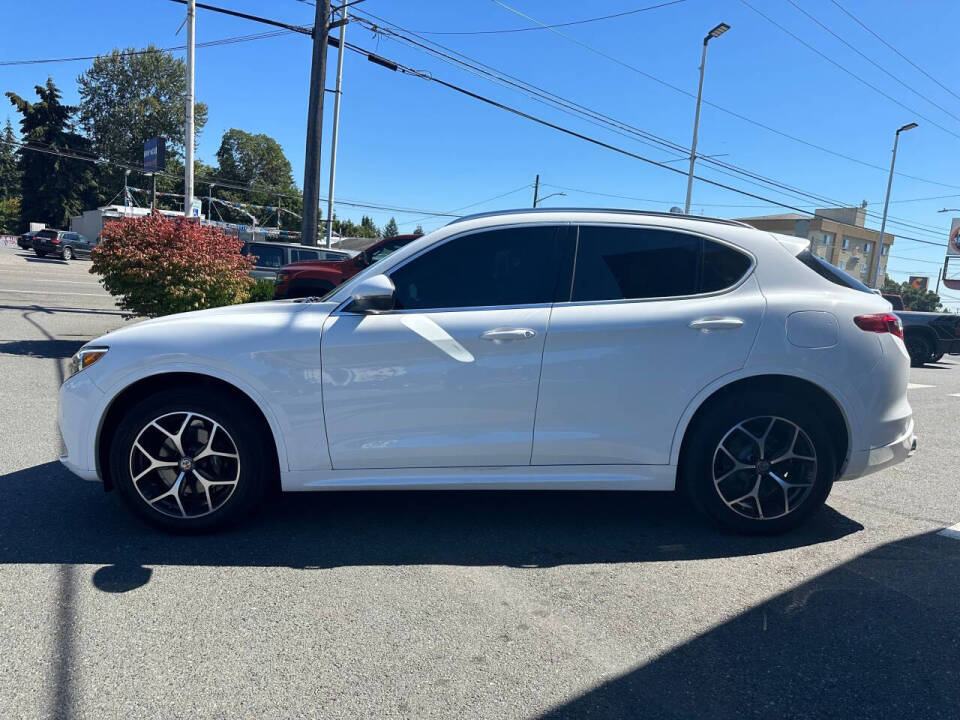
(260, 291)
(157, 266)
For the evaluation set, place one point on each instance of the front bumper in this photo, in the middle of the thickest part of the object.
(81, 402)
(865, 462)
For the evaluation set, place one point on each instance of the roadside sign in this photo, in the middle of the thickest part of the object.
(919, 283)
(196, 205)
(155, 155)
(953, 244)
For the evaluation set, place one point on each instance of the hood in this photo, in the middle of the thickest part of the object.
(218, 325)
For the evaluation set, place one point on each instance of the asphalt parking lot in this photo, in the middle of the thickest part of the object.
(467, 605)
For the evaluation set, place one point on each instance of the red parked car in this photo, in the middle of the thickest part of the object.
(318, 277)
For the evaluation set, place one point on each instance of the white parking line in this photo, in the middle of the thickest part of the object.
(951, 532)
(917, 386)
(953, 394)
(44, 292)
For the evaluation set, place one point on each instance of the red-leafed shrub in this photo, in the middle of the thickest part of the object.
(157, 266)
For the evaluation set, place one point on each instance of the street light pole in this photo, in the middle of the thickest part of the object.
(716, 32)
(336, 121)
(886, 202)
(540, 200)
(188, 140)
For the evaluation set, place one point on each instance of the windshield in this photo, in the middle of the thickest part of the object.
(834, 274)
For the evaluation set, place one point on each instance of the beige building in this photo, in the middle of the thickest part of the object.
(837, 235)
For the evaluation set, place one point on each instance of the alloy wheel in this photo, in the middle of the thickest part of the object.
(764, 467)
(184, 465)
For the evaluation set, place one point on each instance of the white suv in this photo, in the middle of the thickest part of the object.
(574, 349)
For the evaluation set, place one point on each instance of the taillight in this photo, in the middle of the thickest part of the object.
(880, 323)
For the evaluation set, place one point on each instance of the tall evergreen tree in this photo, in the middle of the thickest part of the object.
(53, 187)
(391, 229)
(9, 172)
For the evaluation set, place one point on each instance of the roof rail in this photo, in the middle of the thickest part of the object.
(620, 211)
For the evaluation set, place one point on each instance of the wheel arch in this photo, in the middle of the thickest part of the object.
(151, 384)
(825, 402)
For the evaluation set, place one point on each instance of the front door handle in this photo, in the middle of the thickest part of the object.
(506, 334)
(706, 324)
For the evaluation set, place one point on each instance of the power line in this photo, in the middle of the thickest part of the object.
(488, 72)
(148, 51)
(873, 62)
(555, 25)
(723, 109)
(904, 57)
(849, 72)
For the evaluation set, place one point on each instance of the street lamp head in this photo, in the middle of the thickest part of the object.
(716, 32)
(908, 126)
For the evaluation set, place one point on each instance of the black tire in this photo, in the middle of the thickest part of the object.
(302, 290)
(768, 511)
(918, 347)
(67, 254)
(40, 253)
(250, 475)
(935, 357)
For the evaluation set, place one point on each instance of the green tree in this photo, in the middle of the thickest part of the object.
(53, 187)
(391, 229)
(9, 215)
(126, 98)
(418, 230)
(368, 228)
(130, 96)
(246, 159)
(913, 299)
(9, 172)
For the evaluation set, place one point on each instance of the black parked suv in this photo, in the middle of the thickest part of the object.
(928, 335)
(67, 245)
(25, 241)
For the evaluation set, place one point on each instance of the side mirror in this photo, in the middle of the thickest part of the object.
(372, 295)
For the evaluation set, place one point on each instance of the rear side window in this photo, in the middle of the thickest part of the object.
(512, 266)
(47, 233)
(629, 263)
(299, 255)
(267, 256)
(834, 274)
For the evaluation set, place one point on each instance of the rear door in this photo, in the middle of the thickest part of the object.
(269, 260)
(654, 316)
(449, 378)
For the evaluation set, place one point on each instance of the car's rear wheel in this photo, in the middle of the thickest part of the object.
(918, 347)
(40, 253)
(189, 460)
(935, 357)
(758, 462)
(67, 254)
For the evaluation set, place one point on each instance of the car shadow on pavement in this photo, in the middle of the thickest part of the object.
(47, 261)
(876, 637)
(50, 516)
(49, 349)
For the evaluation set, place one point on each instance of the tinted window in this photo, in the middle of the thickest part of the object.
(833, 274)
(267, 256)
(614, 263)
(516, 266)
(47, 233)
(387, 248)
(298, 255)
(722, 266)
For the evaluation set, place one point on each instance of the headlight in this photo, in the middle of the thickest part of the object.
(85, 358)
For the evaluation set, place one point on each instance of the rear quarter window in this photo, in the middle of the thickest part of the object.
(828, 272)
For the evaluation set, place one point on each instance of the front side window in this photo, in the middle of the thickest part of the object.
(624, 263)
(505, 267)
(387, 248)
(266, 256)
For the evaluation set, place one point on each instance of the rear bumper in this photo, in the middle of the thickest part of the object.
(948, 347)
(865, 462)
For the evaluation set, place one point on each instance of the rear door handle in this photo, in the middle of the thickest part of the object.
(706, 324)
(507, 334)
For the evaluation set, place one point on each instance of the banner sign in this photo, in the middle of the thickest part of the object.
(155, 155)
(919, 283)
(953, 245)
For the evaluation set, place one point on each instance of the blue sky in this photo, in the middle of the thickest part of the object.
(410, 143)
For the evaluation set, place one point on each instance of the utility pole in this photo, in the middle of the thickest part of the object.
(188, 131)
(536, 189)
(153, 192)
(311, 170)
(940, 273)
(210, 188)
(126, 188)
(336, 120)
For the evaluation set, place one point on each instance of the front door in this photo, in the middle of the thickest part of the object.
(449, 378)
(654, 316)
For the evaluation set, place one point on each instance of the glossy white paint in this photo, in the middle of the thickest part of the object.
(574, 395)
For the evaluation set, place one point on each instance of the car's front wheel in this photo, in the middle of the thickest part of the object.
(189, 460)
(67, 253)
(758, 462)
